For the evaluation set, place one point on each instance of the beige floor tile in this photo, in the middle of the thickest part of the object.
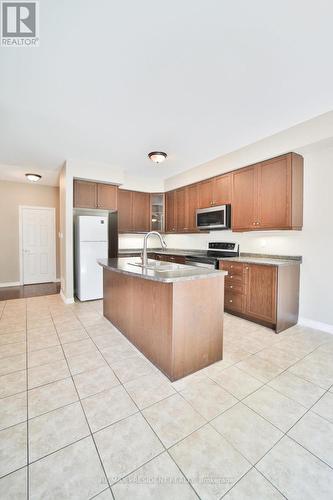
(107, 407)
(43, 343)
(12, 364)
(161, 416)
(13, 410)
(215, 369)
(234, 354)
(51, 396)
(13, 448)
(253, 486)
(72, 336)
(297, 388)
(56, 429)
(14, 486)
(132, 368)
(249, 433)
(206, 454)
(110, 340)
(184, 383)
(296, 472)
(44, 356)
(73, 472)
(119, 352)
(316, 435)
(13, 383)
(94, 381)
(239, 383)
(279, 357)
(79, 347)
(259, 368)
(316, 368)
(149, 389)
(85, 362)
(159, 479)
(105, 495)
(12, 338)
(208, 398)
(12, 349)
(44, 374)
(281, 411)
(324, 407)
(126, 445)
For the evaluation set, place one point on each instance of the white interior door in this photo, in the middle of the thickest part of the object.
(38, 245)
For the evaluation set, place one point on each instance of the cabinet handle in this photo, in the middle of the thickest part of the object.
(230, 286)
(230, 277)
(258, 223)
(246, 268)
(254, 223)
(230, 300)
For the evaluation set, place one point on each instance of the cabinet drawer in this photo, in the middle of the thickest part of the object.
(238, 279)
(233, 301)
(232, 267)
(234, 287)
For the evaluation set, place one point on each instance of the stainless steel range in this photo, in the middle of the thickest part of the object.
(216, 251)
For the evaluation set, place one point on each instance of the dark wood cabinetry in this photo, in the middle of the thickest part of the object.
(95, 195)
(269, 195)
(133, 211)
(177, 259)
(170, 219)
(215, 191)
(264, 294)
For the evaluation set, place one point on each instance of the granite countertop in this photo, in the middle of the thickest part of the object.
(124, 265)
(167, 251)
(264, 261)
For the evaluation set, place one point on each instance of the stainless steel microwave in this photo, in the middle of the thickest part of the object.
(211, 218)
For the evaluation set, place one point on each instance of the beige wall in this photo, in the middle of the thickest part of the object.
(13, 194)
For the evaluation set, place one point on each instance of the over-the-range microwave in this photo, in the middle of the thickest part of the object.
(211, 218)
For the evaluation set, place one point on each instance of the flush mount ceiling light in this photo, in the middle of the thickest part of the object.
(157, 156)
(33, 177)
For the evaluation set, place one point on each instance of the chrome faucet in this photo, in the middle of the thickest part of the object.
(144, 251)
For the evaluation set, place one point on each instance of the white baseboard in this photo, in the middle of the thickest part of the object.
(9, 283)
(317, 325)
(67, 301)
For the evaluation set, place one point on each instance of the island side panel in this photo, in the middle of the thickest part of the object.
(142, 310)
(287, 297)
(198, 309)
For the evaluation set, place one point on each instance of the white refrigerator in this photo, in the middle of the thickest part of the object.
(91, 243)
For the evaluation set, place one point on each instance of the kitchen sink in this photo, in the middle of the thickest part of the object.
(160, 266)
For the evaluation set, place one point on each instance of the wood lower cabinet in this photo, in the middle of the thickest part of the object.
(133, 211)
(95, 195)
(268, 195)
(268, 295)
(177, 259)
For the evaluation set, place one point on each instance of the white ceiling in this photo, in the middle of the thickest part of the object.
(113, 80)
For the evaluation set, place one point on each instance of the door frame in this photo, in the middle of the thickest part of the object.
(53, 244)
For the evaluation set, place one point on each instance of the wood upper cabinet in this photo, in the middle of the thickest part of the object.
(107, 196)
(125, 211)
(85, 194)
(244, 199)
(269, 195)
(170, 219)
(215, 191)
(95, 195)
(181, 209)
(260, 296)
(133, 211)
(191, 206)
(141, 211)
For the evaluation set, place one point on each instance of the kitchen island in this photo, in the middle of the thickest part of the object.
(172, 313)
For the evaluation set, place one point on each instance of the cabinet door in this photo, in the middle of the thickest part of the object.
(274, 193)
(85, 194)
(205, 193)
(125, 210)
(170, 223)
(191, 205)
(261, 283)
(141, 211)
(244, 199)
(222, 190)
(180, 209)
(107, 196)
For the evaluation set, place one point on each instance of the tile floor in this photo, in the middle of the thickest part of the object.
(84, 415)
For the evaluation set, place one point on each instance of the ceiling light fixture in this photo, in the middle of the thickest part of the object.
(33, 177)
(157, 156)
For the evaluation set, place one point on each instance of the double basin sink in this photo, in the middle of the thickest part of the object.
(161, 266)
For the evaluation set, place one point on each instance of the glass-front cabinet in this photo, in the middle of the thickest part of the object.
(157, 211)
